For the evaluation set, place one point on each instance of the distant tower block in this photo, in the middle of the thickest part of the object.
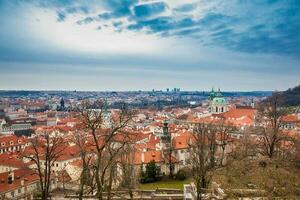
(252, 103)
(62, 103)
(217, 103)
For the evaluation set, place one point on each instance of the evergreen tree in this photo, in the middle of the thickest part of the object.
(151, 172)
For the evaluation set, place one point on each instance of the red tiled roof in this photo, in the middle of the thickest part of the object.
(182, 141)
(290, 118)
(148, 157)
(239, 112)
(11, 140)
(11, 160)
(29, 177)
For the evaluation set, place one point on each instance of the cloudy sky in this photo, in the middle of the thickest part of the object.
(145, 44)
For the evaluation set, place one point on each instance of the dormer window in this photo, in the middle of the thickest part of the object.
(11, 142)
(19, 141)
(3, 144)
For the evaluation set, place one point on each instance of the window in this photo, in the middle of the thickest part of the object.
(12, 193)
(19, 190)
(3, 144)
(56, 164)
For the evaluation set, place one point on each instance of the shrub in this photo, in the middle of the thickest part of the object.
(181, 174)
(151, 173)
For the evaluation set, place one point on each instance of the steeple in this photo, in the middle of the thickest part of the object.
(105, 108)
(166, 137)
(219, 94)
(212, 94)
(166, 128)
(106, 115)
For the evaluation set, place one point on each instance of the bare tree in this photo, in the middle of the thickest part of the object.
(86, 156)
(270, 121)
(245, 148)
(44, 151)
(203, 155)
(224, 138)
(109, 169)
(92, 115)
(128, 174)
(296, 154)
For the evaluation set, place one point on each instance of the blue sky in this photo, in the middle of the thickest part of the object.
(145, 44)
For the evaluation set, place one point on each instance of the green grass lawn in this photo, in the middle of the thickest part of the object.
(167, 183)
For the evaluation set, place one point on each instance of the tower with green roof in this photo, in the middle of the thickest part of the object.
(217, 103)
(106, 115)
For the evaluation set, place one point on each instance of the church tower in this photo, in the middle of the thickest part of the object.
(166, 136)
(166, 141)
(217, 103)
(106, 115)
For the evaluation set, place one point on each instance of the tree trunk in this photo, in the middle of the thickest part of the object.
(80, 194)
(109, 185)
(130, 194)
(199, 191)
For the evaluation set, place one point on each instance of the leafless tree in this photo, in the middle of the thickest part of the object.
(270, 120)
(86, 156)
(43, 151)
(93, 120)
(296, 154)
(203, 155)
(129, 175)
(109, 169)
(245, 148)
(224, 138)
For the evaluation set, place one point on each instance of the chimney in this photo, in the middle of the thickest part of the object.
(10, 177)
(143, 157)
(22, 182)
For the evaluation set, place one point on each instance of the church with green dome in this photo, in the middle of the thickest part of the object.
(217, 103)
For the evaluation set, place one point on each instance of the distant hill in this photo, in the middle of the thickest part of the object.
(290, 97)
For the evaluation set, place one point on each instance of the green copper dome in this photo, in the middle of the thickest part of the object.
(218, 101)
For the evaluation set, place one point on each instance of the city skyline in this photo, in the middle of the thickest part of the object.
(113, 45)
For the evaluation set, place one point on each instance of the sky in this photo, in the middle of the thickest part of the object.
(117, 45)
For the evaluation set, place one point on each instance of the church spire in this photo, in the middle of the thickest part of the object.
(212, 94)
(219, 94)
